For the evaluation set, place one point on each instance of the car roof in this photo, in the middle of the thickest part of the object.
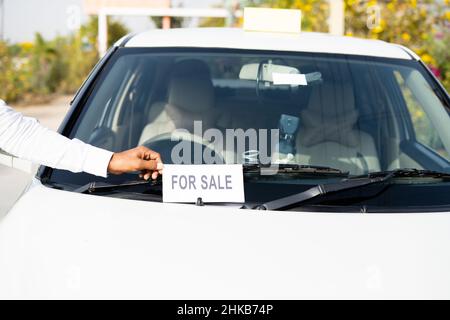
(234, 38)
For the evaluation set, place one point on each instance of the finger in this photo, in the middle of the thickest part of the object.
(153, 155)
(147, 165)
(143, 172)
(147, 176)
(155, 175)
(143, 149)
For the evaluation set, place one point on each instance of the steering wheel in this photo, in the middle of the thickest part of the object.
(164, 144)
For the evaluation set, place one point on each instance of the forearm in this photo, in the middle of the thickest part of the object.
(26, 138)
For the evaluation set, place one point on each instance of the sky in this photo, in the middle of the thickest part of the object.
(23, 18)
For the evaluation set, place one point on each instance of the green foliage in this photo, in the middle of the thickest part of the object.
(212, 22)
(37, 70)
(116, 30)
(439, 50)
(14, 78)
(423, 26)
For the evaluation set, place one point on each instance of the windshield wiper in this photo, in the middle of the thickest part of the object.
(409, 173)
(283, 168)
(97, 187)
(382, 177)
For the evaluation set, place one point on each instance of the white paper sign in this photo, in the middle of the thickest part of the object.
(293, 79)
(211, 182)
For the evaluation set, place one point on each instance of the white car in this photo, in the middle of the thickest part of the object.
(359, 206)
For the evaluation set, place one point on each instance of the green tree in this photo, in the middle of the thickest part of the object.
(42, 58)
(116, 30)
(77, 54)
(37, 70)
(13, 79)
(423, 26)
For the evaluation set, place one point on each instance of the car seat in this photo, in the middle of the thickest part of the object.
(328, 134)
(190, 98)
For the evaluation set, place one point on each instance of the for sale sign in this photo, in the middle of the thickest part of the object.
(210, 182)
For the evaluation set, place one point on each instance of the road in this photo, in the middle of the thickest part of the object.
(13, 182)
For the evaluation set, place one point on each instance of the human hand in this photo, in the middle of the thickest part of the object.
(138, 159)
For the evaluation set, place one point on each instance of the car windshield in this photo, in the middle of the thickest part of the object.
(352, 113)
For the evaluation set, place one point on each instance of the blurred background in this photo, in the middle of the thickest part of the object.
(48, 47)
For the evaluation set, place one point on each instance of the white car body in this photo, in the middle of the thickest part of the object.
(60, 244)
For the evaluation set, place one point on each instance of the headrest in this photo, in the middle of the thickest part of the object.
(190, 86)
(330, 116)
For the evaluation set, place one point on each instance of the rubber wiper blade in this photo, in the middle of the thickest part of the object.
(96, 187)
(410, 173)
(323, 189)
(284, 168)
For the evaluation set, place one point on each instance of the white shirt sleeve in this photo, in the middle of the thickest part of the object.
(25, 138)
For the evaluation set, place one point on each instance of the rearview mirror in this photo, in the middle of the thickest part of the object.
(250, 71)
(278, 75)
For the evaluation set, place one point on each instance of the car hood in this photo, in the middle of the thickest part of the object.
(58, 244)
